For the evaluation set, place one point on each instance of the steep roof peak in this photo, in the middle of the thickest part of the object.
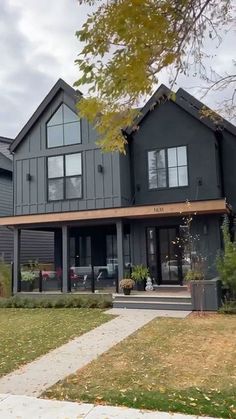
(59, 85)
(187, 102)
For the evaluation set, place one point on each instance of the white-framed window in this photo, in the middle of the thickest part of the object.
(167, 168)
(64, 177)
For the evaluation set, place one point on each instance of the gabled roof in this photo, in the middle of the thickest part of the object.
(5, 143)
(186, 101)
(5, 156)
(5, 163)
(60, 85)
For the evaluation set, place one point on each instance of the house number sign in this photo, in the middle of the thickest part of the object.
(158, 209)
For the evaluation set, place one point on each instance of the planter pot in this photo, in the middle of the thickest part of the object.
(141, 285)
(206, 294)
(51, 285)
(27, 286)
(126, 291)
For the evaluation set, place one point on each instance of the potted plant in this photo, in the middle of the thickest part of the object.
(127, 285)
(195, 284)
(139, 275)
(193, 275)
(27, 280)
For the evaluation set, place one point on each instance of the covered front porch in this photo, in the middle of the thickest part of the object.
(87, 257)
(94, 249)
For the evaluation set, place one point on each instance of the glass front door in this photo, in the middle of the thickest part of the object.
(164, 255)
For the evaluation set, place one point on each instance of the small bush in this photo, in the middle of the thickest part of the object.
(226, 262)
(228, 308)
(5, 280)
(62, 301)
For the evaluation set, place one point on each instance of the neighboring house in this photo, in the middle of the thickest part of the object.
(33, 247)
(110, 211)
(6, 199)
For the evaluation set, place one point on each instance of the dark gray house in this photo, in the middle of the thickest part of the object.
(108, 211)
(34, 247)
(6, 199)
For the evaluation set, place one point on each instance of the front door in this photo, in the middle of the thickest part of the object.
(164, 255)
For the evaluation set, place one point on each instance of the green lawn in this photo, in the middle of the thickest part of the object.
(173, 365)
(26, 334)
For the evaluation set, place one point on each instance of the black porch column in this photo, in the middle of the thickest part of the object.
(65, 262)
(120, 249)
(16, 267)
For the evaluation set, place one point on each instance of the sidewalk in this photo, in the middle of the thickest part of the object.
(34, 378)
(22, 407)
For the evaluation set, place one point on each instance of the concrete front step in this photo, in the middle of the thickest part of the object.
(169, 297)
(170, 288)
(152, 298)
(153, 305)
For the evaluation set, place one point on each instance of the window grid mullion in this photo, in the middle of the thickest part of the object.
(64, 167)
(167, 167)
(177, 160)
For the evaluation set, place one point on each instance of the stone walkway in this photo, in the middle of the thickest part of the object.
(35, 377)
(22, 407)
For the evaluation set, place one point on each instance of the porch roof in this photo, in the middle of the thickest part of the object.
(216, 206)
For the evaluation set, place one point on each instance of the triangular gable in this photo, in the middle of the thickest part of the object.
(183, 99)
(60, 85)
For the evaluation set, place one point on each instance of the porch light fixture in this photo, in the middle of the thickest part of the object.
(100, 168)
(28, 177)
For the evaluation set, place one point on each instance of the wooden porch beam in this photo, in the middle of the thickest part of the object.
(217, 206)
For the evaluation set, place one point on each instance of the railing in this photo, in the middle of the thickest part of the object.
(93, 278)
(80, 279)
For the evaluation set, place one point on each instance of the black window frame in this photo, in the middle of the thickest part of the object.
(75, 122)
(64, 177)
(167, 168)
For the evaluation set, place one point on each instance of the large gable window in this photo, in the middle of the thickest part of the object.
(64, 177)
(63, 128)
(168, 168)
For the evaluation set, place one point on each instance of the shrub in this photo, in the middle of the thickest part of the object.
(5, 280)
(226, 262)
(63, 301)
(228, 307)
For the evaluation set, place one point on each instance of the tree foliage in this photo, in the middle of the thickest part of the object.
(226, 263)
(126, 45)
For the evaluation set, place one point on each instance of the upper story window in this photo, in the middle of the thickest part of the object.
(64, 177)
(168, 168)
(63, 128)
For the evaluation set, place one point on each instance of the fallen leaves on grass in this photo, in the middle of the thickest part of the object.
(29, 333)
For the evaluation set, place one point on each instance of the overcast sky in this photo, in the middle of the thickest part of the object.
(38, 46)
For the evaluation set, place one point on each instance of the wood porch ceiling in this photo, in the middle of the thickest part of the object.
(217, 206)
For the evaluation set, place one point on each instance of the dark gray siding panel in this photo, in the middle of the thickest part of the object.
(99, 189)
(170, 126)
(125, 180)
(6, 245)
(6, 196)
(229, 167)
(37, 245)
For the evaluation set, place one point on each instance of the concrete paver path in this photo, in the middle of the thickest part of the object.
(35, 377)
(22, 407)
